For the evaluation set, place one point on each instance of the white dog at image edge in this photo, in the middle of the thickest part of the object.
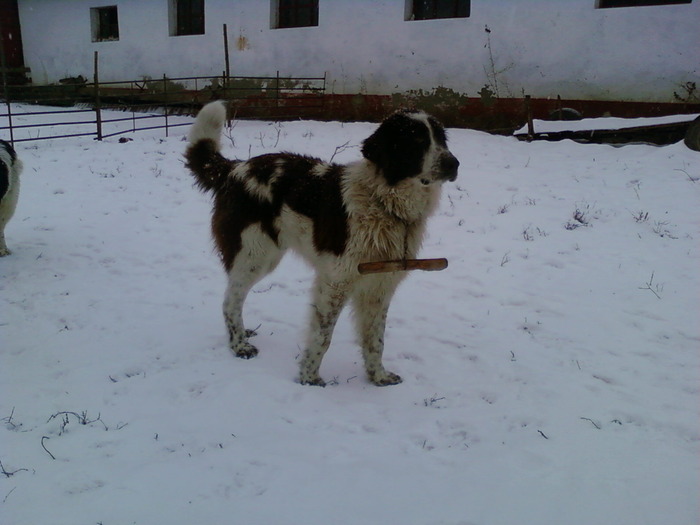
(10, 168)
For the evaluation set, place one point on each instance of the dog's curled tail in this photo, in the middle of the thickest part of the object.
(209, 167)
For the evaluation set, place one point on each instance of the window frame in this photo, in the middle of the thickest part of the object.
(616, 4)
(183, 25)
(288, 16)
(102, 30)
(460, 9)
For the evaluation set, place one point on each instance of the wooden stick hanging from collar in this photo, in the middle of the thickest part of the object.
(401, 265)
(428, 265)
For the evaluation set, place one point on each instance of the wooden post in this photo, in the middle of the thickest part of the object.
(165, 98)
(98, 108)
(277, 99)
(560, 109)
(528, 111)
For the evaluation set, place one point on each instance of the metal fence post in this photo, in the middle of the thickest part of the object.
(98, 109)
(165, 97)
(3, 67)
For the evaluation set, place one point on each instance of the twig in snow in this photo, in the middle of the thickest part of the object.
(661, 230)
(8, 495)
(339, 149)
(432, 400)
(278, 127)
(9, 422)
(640, 216)
(10, 474)
(594, 423)
(228, 130)
(82, 418)
(46, 449)
(654, 290)
(688, 175)
(543, 434)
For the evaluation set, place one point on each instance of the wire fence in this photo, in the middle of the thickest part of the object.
(107, 109)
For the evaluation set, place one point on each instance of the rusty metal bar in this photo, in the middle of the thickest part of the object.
(252, 97)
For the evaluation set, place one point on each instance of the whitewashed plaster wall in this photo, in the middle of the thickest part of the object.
(539, 47)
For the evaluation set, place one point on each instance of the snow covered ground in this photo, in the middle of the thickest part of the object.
(550, 373)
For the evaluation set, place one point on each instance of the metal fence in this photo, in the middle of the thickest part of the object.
(80, 108)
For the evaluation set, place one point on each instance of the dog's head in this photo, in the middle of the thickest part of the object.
(411, 144)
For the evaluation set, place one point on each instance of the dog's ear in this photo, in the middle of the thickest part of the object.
(397, 147)
(374, 147)
(380, 146)
(382, 150)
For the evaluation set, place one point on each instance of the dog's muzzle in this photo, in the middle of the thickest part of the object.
(448, 167)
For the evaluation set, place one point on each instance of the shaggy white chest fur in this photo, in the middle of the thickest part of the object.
(386, 222)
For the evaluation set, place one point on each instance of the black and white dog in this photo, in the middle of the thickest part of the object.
(335, 216)
(10, 168)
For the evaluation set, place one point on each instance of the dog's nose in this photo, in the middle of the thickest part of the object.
(449, 165)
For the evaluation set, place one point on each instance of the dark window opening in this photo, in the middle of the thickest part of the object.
(189, 17)
(297, 13)
(433, 9)
(603, 4)
(105, 23)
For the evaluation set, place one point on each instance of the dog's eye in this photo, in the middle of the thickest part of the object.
(422, 141)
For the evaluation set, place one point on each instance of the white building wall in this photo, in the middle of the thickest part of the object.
(540, 47)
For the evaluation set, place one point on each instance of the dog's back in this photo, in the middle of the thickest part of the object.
(10, 168)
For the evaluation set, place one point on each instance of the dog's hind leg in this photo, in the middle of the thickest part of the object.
(370, 308)
(257, 258)
(4, 250)
(236, 292)
(328, 301)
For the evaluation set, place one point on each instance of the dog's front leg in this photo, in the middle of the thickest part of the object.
(370, 313)
(328, 301)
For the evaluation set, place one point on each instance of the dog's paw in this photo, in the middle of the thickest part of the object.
(385, 378)
(313, 381)
(245, 350)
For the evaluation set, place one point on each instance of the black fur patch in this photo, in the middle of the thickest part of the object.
(209, 165)
(4, 169)
(234, 210)
(10, 150)
(317, 197)
(4, 179)
(398, 147)
(438, 131)
(263, 167)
